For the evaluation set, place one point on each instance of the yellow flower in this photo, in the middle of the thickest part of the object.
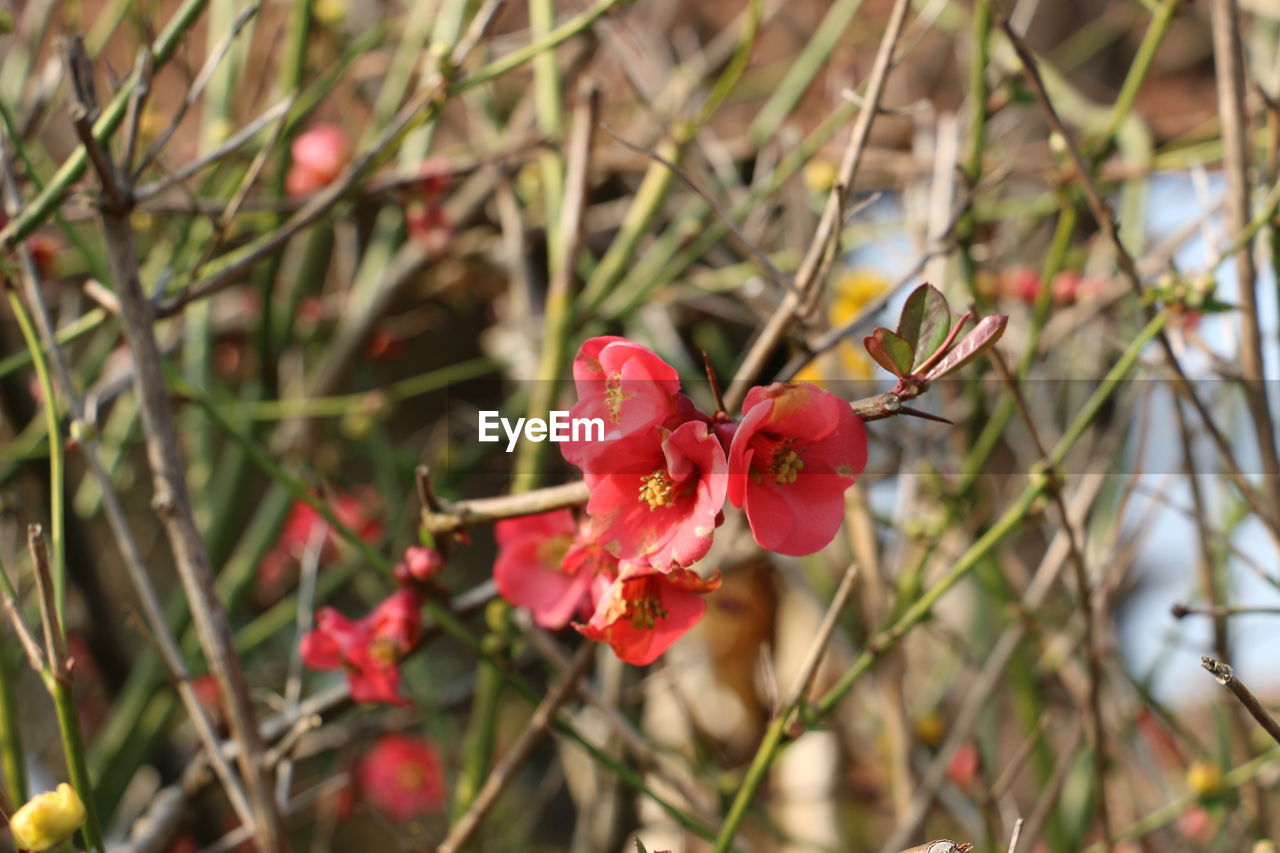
(1204, 779)
(47, 818)
(930, 729)
(850, 294)
(330, 13)
(853, 292)
(820, 175)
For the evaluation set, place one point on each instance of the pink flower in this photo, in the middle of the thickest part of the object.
(641, 612)
(319, 156)
(1020, 284)
(402, 777)
(420, 565)
(370, 650)
(1070, 286)
(209, 695)
(545, 564)
(278, 569)
(662, 507)
(428, 224)
(793, 455)
(631, 391)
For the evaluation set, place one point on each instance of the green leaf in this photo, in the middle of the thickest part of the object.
(890, 351)
(925, 322)
(982, 338)
(640, 848)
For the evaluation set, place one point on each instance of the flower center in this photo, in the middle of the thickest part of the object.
(410, 777)
(552, 551)
(655, 489)
(786, 463)
(644, 611)
(385, 651)
(613, 397)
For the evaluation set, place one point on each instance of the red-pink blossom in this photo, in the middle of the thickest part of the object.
(632, 392)
(357, 511)
(319, 156)
(428, 223)
(1020, 284)
(545, 564)
(370, 649)
(640, 612)
(661, 507)
(796, 451)
(420, 565)
(402, 777)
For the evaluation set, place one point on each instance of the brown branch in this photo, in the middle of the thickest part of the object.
(1228, 55)
(1180, 611)
(55, 643)
(158, 627)
(171, 500)
(454, 517)
(1227, 678)
(30, 645)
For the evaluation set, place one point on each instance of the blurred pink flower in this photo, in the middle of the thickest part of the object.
(402, 777)
(319, 156)
(370, 650)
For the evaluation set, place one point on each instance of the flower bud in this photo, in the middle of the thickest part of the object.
(1204, 778)
(820, 175)
(319, 156)
(47, 818)
(930, 729)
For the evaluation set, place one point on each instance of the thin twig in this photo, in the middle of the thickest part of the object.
(197, 87)
(173, 505)
(1102, 215)
(807, 277)
(26, 637)
(136, 568)
(1017, 833)
(1227, 678)
(1180, 611)
(1229, 70)
(55, 644)
(1093, 654)
(502, 772)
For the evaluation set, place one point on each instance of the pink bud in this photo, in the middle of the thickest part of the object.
(319, 156)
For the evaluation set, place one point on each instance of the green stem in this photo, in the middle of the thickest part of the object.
(12, 760)
(64, 702)
(57, 453)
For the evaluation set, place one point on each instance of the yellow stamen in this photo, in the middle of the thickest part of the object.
(655, 489)
(786, 463)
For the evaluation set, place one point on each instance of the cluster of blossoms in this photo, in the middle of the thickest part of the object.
(369, 650)
(1023, 284)
(658, 482)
